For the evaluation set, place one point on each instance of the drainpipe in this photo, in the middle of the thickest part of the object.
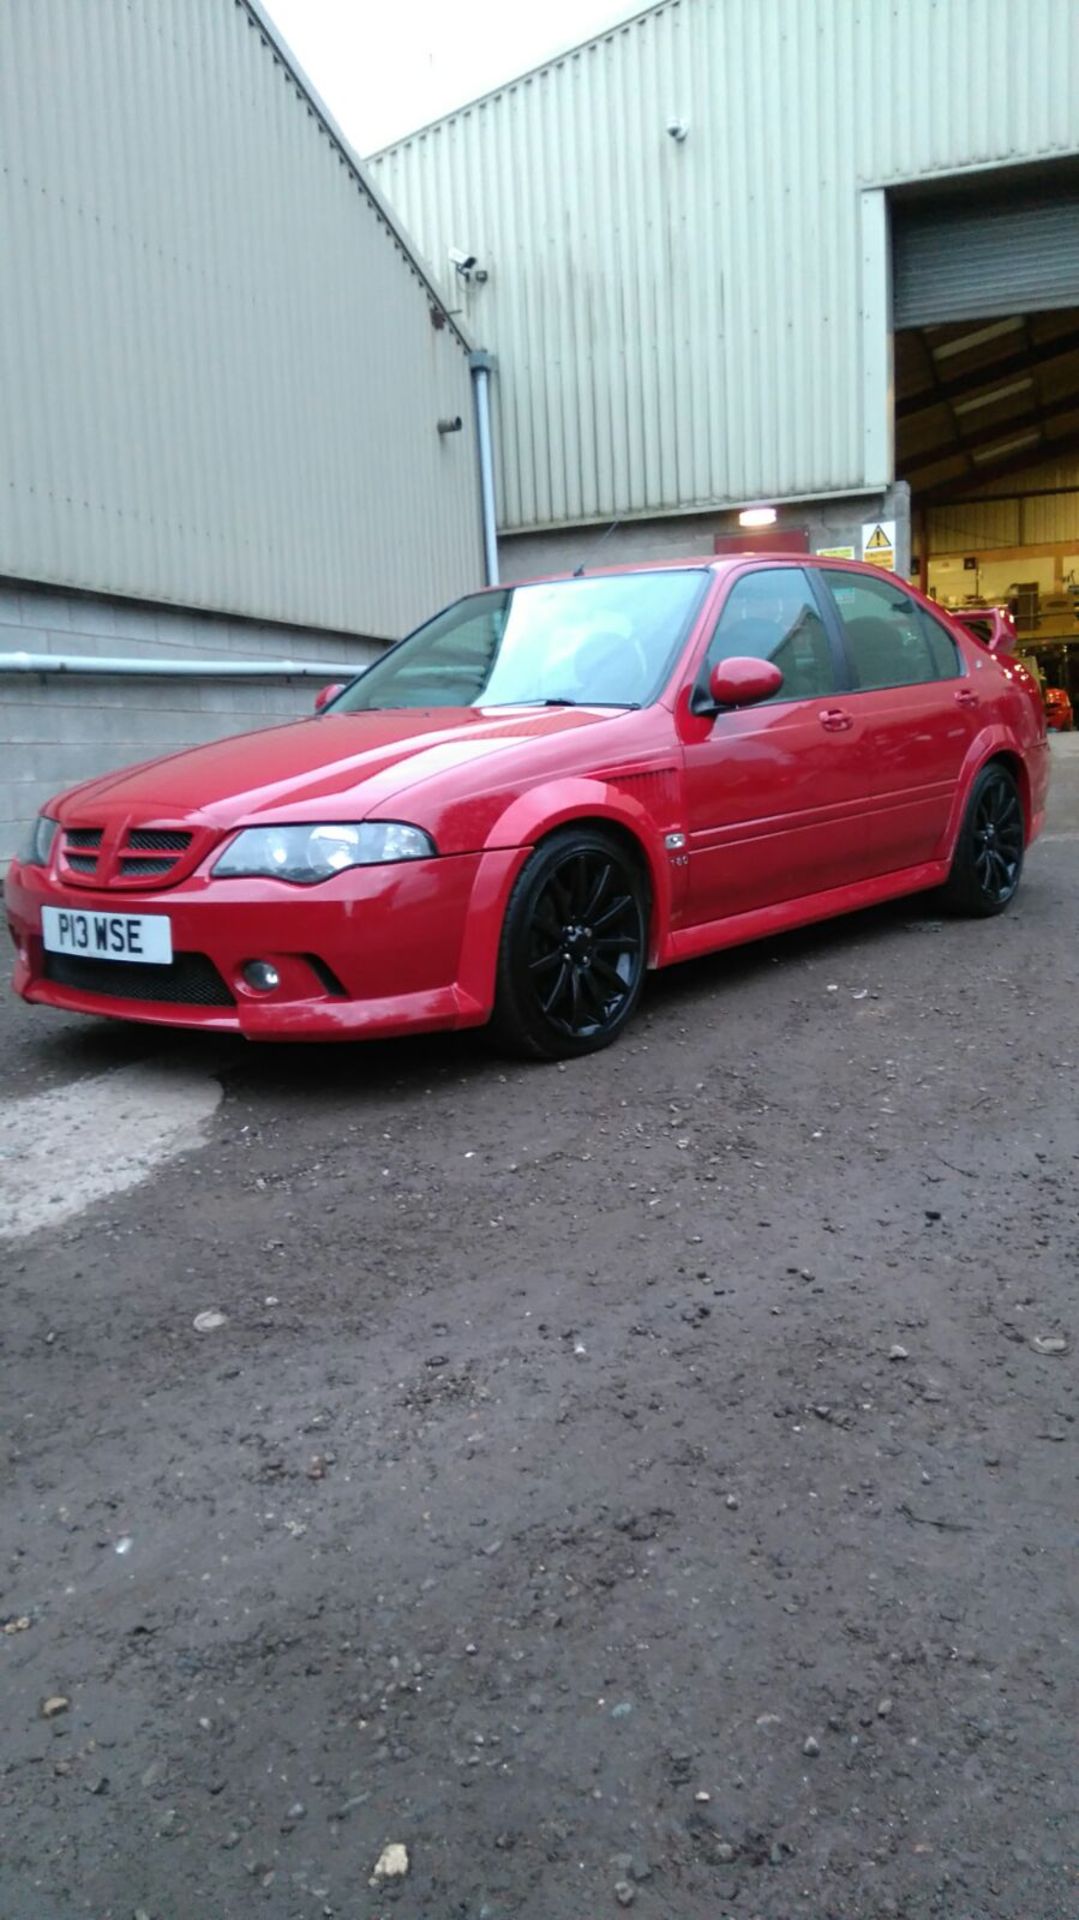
(482, 365)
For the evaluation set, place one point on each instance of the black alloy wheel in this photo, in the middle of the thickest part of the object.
(574, 947)
(989, 856)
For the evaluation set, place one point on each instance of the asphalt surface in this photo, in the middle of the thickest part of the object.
(650, 1482)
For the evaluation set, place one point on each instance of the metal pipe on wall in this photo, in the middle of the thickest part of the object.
(134, 666)
(482, 365)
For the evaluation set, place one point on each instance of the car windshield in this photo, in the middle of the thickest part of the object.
(607, 641)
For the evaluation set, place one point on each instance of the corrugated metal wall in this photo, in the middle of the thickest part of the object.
(1046, 513)
(219, 381)
(679, 323)
(1051, 473)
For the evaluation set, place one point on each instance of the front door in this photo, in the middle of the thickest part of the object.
(774, 792)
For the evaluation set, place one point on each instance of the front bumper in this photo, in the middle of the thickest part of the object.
(376, 951)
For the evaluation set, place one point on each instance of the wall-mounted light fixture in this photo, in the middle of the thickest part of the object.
(757, 517)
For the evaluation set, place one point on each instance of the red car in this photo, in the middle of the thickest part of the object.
(543, 792)
(1058, 710)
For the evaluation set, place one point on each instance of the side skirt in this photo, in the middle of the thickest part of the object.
(688, 942)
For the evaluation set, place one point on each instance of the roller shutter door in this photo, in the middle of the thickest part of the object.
(969, 259)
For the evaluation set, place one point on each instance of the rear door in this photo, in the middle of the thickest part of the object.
(915, 710)
(774, 792)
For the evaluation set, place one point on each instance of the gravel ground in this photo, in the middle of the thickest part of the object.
(650, 1482)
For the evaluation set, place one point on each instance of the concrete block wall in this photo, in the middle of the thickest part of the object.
(56, 731)
(830, 523)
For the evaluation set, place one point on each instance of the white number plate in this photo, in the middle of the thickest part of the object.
(146, 937)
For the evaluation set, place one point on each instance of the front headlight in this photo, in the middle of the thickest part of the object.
(39, 841)
(306, 855)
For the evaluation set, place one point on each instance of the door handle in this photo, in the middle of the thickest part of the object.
(964, 698)
(834, 720)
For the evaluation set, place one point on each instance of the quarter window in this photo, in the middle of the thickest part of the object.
(889, 642)
(771, 615)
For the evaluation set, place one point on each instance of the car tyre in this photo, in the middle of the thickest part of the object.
(989, 852)
(574, 947)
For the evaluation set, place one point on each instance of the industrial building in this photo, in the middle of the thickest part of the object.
(239, 444)
(810, 260)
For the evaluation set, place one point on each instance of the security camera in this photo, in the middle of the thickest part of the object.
(464, 262)
(677, 129)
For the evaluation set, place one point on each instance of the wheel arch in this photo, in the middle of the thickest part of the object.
(532, 819)
(994, 745)
(614, 829)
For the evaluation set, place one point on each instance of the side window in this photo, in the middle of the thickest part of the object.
(771, 615)
(945, 653)
(888, 643)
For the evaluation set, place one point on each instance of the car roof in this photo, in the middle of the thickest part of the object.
(713, 563)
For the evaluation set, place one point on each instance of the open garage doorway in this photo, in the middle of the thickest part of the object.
(987, 406)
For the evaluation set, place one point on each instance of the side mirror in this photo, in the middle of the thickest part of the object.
(326, 694)
(741, 681)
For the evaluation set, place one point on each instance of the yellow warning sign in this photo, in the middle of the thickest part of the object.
(878, 542)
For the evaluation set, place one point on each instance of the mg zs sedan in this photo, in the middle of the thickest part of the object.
(537, 796)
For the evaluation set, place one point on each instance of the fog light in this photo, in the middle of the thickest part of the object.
(262, 976)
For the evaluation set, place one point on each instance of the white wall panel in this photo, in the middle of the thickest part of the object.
(678, 324)
(219, 380)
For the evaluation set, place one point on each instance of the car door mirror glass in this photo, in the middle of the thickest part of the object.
(741, 681)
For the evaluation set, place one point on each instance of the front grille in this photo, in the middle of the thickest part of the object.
(136, 857)
(158, 839)
(190, 980)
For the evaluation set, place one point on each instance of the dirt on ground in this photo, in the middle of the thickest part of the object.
(648, 1484)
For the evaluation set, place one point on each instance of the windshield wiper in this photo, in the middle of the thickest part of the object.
(563, 700)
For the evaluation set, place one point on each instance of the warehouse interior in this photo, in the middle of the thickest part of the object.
(986, 362)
